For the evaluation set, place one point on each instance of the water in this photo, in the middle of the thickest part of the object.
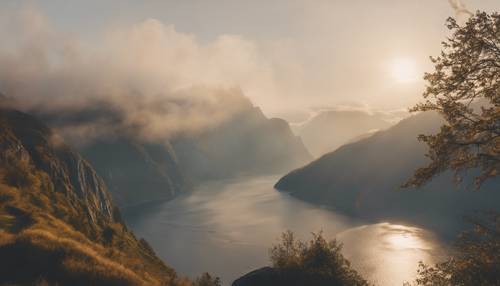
(226, 228)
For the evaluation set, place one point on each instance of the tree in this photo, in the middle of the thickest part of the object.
(318, 261)
(207, 280)
(475, 260)
(465, 89)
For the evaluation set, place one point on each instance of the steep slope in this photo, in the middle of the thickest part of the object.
(330, 129)
(57, 222)
(363, 178)
(136, 171)
(247, 144)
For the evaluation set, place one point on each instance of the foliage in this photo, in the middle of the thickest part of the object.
(465, 89)
(207, 280)
(475, 262)
(317, 259)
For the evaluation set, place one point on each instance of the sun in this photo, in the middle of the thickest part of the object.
(403, 70)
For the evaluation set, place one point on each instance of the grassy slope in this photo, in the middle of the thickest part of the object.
(47, 236)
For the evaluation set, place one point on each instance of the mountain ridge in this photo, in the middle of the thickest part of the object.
(138, 170)
(331, 129)
(58, 225)
(365, 178)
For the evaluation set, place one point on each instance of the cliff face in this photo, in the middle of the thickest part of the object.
(246, 144)
(138, 170)
(58, 225)
(27, 139)
(135, 171)
(364, 179)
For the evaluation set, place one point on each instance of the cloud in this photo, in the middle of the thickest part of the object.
(317, 60)
(148, 77)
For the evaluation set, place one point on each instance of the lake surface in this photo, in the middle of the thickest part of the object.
(227, 227)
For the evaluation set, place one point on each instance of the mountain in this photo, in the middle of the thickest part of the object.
(246, 144)
(58, 225)
(135, 170)
(364, 179)
(138, 169)
(329, 130)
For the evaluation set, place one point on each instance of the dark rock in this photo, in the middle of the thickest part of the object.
(262, 277)
(268, 276)
(137, 172)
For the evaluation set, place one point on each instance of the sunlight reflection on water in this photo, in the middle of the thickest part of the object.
(388, 254)
(227, 227)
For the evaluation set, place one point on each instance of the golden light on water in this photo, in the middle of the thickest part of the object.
(402, 241)
(404, 237)
(389, 254)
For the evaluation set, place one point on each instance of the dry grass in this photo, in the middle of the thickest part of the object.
(46, 238)
(72, 254)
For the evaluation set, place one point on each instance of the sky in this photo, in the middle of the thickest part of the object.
(287, 56)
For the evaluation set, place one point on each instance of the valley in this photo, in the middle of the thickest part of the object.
(250, 143)
(227, 227)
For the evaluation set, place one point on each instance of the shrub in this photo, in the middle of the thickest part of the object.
(315, 260)
(207, 280)
(475, 261)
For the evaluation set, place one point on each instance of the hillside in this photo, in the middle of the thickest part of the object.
(364, 179)
(246, 144)
(135, 171)
(57, 222)
(138, 169)
(331, 129)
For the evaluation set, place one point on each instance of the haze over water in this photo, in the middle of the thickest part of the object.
(227, 227)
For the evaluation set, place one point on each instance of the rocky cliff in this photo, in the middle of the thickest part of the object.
(138, 169)
(58, 225)
(26, 139)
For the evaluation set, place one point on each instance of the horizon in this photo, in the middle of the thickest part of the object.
(250, 143)
(288, 59)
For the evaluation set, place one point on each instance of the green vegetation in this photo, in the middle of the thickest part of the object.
(316, 262)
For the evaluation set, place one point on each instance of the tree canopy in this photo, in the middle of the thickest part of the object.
(475, 260)
(318, 261)
(465, 89)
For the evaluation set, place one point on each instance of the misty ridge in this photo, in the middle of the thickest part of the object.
(147, 79)
(344, 125)
(151, 108)
(141, 154)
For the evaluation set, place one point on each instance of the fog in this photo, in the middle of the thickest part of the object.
(147, 77)
(166, 71)
(289, 58)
